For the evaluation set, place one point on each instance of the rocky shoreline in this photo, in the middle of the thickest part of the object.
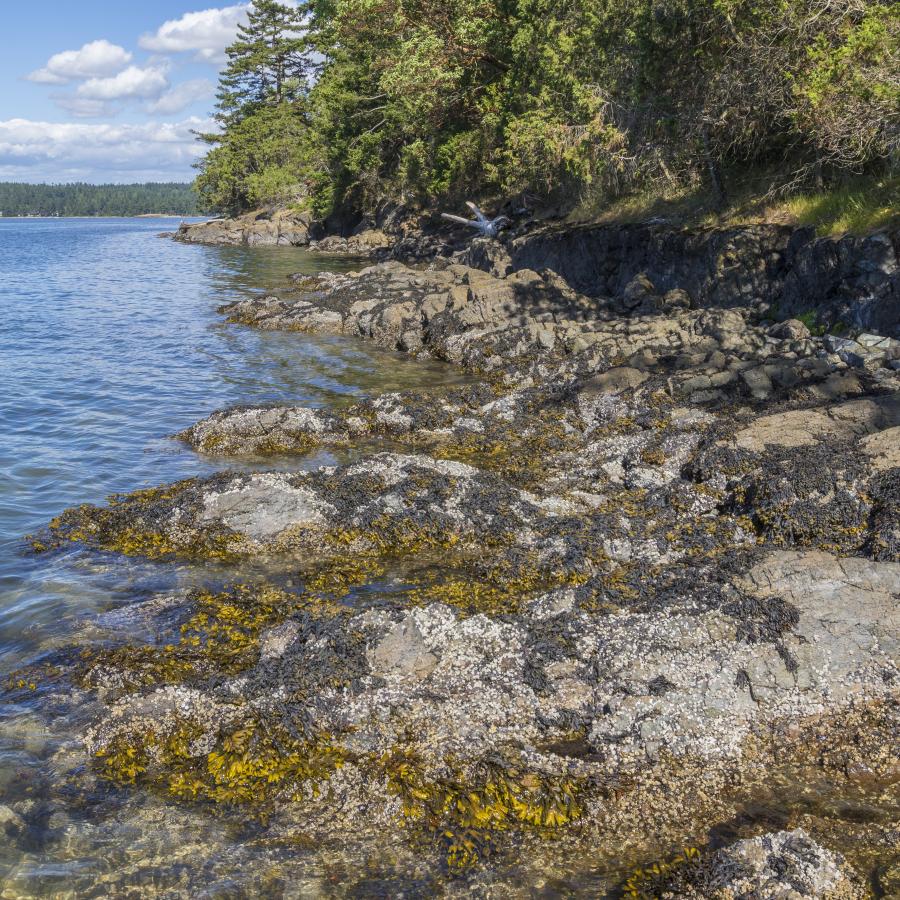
(641, 571)
(851, 283)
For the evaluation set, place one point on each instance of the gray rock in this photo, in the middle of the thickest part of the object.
(758, 381)
(638, 291)
(876, 342)
(264, 506)
(10, 820)
(835, 344)
(403, 651)
(791, 330)
(674, 299)
(785, 865)
(614, 381)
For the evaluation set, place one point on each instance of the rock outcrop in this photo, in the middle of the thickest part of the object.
(281, 228)
(641, 566)
(787, 271)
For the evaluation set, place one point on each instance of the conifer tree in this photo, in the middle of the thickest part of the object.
(267, 64)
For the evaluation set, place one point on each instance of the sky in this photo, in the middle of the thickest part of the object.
(108, 91)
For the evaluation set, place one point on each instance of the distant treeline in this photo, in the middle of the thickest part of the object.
(98, 199)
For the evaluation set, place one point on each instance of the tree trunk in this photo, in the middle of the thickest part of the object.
(715, 176)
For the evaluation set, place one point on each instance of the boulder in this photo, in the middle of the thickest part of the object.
(255, 229)
(791, 330)
(784, 865)
(639, 292)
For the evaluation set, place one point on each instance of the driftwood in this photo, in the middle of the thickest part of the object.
(481, 223)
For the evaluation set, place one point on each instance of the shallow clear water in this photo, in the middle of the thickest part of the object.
(109, 343)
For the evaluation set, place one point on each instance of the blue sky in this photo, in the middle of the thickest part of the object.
(108, 91)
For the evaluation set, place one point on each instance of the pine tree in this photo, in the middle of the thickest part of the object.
(267, 64)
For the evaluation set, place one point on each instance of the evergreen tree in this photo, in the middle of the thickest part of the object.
(260, 155)
(267, 64)
(79, 199)
(582, 101)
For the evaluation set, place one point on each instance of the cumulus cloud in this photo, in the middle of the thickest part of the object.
(94, 60)
(182, 96)
(206, 34)
(131, 82)
(35, 151)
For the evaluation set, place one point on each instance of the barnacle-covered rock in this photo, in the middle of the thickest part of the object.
(461, 724)
(385, 501)
(769, 867)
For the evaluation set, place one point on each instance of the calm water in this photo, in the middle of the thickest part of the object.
(110, 342)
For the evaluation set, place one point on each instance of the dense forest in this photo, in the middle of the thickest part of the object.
(340, 104)
(98, 199)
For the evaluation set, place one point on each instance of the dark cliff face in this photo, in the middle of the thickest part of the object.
(853, 280)
(858, 279)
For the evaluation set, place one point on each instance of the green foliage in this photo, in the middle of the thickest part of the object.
(267, 64)
(98, 199)
(850, 93)
(811, 321)
(425, 100)
(261, 159)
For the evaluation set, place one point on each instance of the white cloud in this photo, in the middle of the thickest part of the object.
(206, 34)
(35, 151)
(182, 96)
(82, 107)
(132, 82)
(93, 60)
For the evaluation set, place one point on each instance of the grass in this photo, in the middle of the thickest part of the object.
(809, 320)
(860, 205)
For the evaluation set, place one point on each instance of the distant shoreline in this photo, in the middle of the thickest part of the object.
(140, 216)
